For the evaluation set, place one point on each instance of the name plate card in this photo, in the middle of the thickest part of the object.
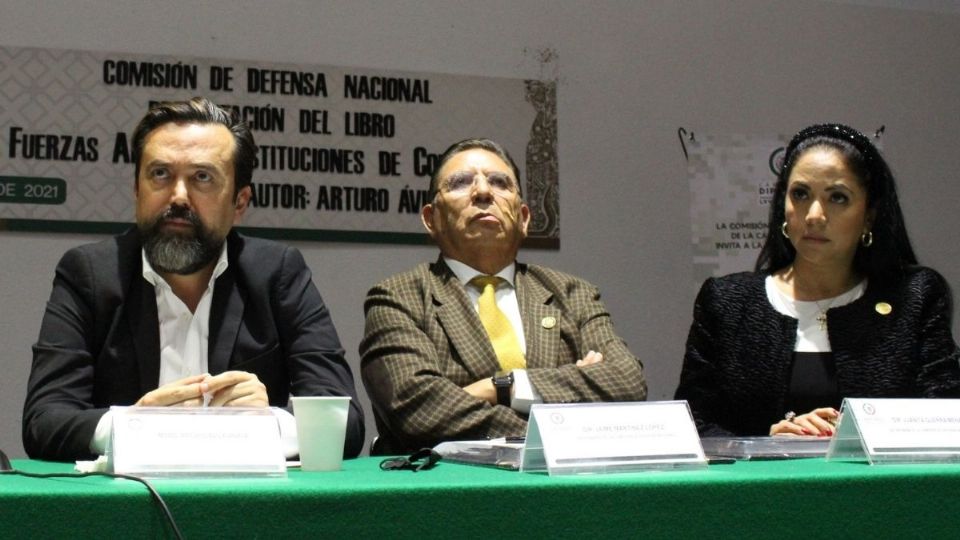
(597, 438)
(898, 431)
(172, 441)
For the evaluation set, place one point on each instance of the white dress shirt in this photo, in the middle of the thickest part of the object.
(184, 347)
(523, 394)
(183, 335)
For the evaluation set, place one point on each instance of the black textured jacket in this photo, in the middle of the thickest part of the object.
(738, 362)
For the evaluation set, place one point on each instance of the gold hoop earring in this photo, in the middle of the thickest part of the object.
(783, 229)
(866, 239)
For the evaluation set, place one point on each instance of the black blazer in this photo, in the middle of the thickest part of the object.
(739, 356)
(99, 342)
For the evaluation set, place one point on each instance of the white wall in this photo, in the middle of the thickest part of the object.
(631, 72)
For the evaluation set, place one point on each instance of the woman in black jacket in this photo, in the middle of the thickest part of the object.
(836, 307)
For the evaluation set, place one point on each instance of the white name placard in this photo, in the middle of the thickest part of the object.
(898, 431)
(169, 441)
(595, 438)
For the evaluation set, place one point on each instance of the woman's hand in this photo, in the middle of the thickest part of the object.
(818, 422)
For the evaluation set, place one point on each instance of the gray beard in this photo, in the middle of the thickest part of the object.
(172, 253)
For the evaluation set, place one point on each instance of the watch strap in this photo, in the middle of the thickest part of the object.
(503, 383)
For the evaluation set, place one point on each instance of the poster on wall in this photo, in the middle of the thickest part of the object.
(731, 181)
(344, 153)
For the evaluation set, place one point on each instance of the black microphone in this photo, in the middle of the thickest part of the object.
(4, 463)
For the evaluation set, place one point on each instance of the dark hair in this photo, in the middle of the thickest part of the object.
(200, 110)
(470, 144)
(891, 252)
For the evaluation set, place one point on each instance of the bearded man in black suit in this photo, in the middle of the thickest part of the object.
(181, 310)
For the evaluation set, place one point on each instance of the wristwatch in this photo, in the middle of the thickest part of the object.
(503, 383)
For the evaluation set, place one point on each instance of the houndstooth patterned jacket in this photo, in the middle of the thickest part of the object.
(423, 342)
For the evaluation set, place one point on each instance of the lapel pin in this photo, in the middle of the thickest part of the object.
(883, 308)
(548, 322)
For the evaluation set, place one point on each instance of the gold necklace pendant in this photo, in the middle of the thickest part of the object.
(822, 319)
(822, 316)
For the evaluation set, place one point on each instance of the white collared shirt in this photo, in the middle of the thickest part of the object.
(523, 394)
(184, 340)
(183, 335)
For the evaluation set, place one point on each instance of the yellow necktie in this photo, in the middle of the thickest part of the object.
(498, 327)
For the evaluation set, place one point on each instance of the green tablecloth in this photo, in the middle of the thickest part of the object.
(807, 498)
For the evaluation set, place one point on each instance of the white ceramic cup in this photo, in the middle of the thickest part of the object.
(321, 430)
